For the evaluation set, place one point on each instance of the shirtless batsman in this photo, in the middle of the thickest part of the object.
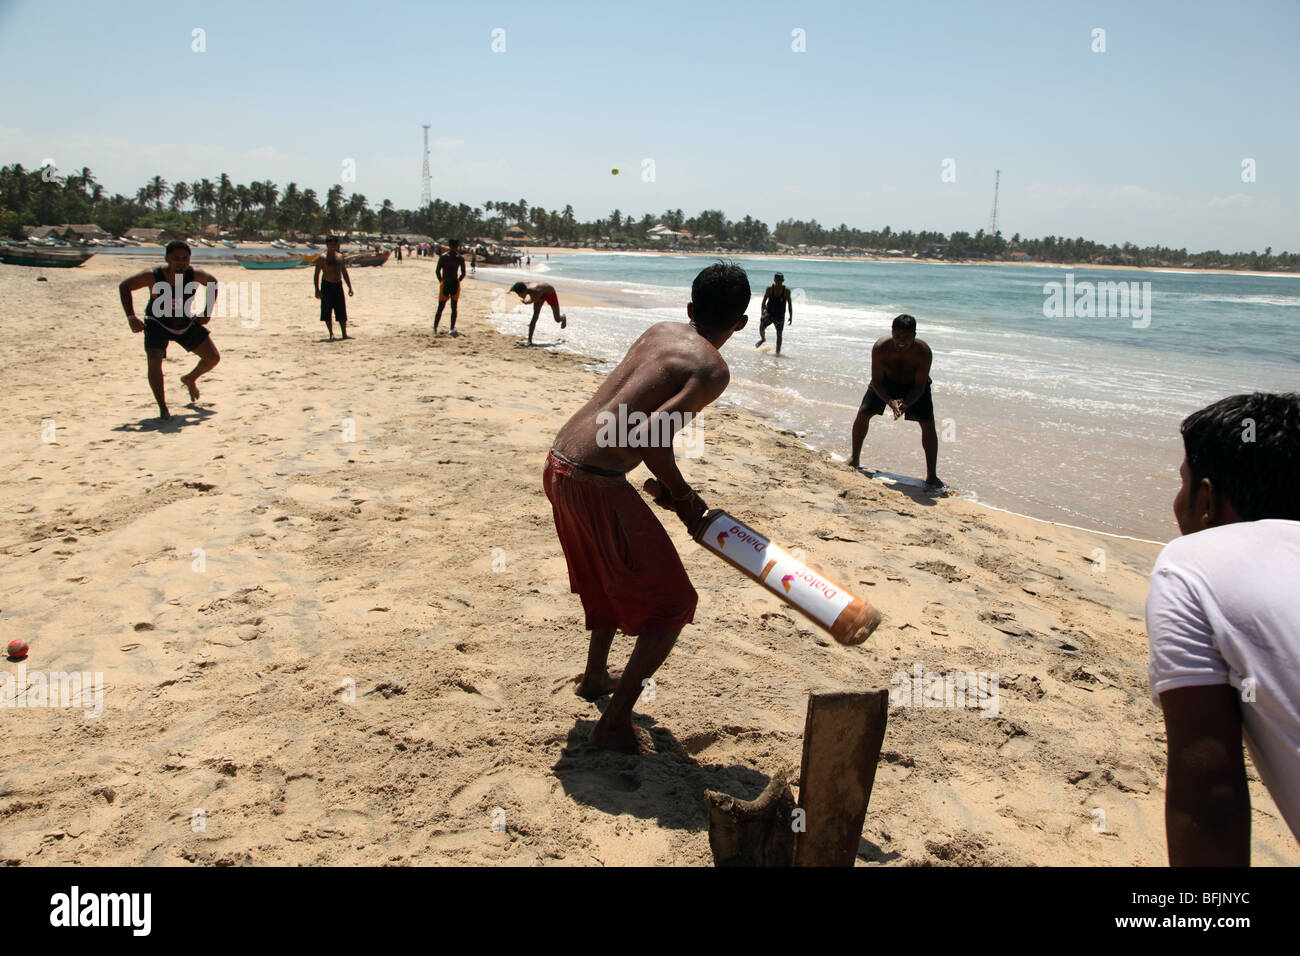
(776, 300)
(900, 378)
(331, 273)
(450, 273)
(621, 561)
(539, 294)
(169, 317)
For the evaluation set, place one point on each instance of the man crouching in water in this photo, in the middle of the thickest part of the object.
(621, 561)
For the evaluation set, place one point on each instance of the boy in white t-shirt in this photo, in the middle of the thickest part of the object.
(1223, 620)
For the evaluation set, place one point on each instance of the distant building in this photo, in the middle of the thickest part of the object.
(80, 232)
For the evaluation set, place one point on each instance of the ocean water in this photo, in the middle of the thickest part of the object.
(1066, 418)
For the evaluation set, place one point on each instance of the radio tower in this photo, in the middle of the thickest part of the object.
(993, 219)
(426, 195)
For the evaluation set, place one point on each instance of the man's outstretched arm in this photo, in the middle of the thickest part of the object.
(1207, 805)
(700, 390)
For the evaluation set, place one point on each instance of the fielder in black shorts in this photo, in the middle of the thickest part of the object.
(170, 317)
(900, 379)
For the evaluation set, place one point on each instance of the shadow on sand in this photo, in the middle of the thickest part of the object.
(906, 485)
(668, 787)
(179, 420)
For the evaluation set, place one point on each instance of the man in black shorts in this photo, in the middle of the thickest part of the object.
(170, 317)
(450, 273)
(331, 272)
(900, 378)
(775, 301)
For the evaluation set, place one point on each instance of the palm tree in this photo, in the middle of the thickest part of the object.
(333, 203)
(180, 193)
(225, 199)
(157, 189)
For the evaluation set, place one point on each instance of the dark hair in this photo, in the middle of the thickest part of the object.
(721, 295)
(519, 287)
(905, 323)
(177, 244)
(329, 239)
(453, 242)
(1249, 448)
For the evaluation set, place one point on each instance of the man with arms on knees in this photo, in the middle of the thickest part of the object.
(1223, 622)
(331, 273)
(169, 317)
(621, 561)
(450, 273)
(539, 293)
(775, 302)
(900, 378)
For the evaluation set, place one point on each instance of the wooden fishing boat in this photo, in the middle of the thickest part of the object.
(369, 258)
(269, 262)
(311, 257)
(44, 258)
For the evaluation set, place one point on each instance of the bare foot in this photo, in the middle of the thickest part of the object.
(934, 484)
(629, 740)
(564, 321)
(599, 686)
(345, 335)
(192, 386)
(163, 413)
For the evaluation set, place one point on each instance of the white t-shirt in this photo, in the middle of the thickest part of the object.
(1224, 608)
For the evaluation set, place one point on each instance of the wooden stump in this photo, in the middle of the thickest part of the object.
(841, 747)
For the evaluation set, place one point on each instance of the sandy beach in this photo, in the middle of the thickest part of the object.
(334, 625)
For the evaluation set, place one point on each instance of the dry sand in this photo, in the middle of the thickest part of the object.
(327, 651)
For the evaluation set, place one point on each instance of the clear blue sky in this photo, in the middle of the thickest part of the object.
(1143, 142)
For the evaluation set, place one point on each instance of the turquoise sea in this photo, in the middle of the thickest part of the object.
(1069, 418)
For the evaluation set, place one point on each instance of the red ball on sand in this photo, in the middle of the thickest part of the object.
(17, 648)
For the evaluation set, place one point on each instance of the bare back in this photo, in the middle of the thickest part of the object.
(670, 368)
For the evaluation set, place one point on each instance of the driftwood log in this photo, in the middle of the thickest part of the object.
(842, 737)
(752, 832)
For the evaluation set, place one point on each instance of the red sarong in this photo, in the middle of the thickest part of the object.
(621, 561)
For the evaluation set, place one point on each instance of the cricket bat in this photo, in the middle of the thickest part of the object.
(850, 620)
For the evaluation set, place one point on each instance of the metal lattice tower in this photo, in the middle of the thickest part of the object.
(426, 195)
(993, 219)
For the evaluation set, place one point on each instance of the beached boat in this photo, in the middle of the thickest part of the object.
(45, 258)
(269, 262)
(311, 257)
(228, 244)
(369, 258)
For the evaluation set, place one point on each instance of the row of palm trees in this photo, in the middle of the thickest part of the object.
(226, 203)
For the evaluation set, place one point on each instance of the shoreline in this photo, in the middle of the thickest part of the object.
(587, 250)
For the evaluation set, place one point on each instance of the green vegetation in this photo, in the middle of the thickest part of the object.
(261, 209)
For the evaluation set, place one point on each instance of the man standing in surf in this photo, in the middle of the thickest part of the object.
(900, 379)
(621, 561)
(169, 317)
(775, 302)
(539, 294)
